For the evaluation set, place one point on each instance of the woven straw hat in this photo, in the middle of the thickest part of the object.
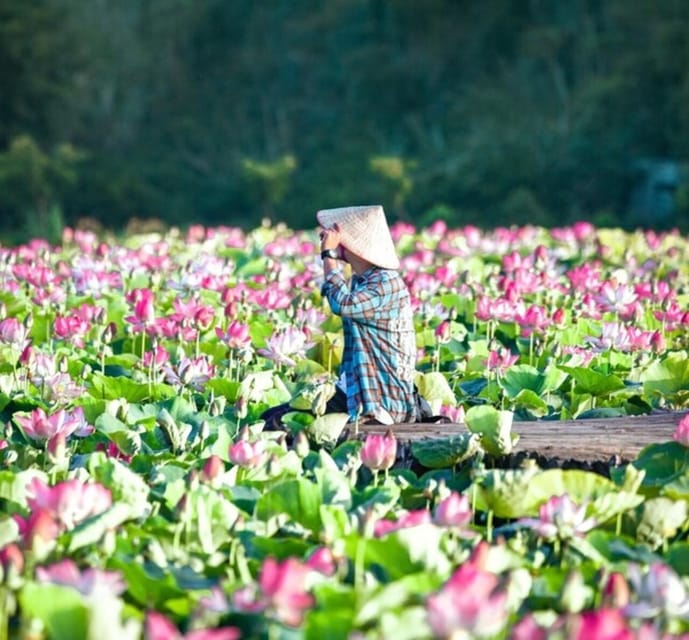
(364, 231)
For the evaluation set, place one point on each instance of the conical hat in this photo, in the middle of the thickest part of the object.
(364, 231)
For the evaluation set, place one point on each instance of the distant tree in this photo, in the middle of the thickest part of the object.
(33, 183)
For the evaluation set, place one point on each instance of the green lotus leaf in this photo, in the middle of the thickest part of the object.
(494, 427)
(667, 376)
(528, 399)
(520, 377)
(435, 388)
(61, 609)
(442, 453)
(298, 499)
(660, 520)
(594, 382)
(113, 388)
(505, 492)
(662, 463)
(325, 430)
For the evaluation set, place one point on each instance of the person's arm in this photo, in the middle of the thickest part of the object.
(369, 301)
(330, 243)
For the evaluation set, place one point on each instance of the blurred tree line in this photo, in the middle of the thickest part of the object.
(226, 111)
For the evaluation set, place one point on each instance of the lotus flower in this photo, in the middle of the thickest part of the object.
(560, 518)
(659, 591)
(69, 502)
(158, 627)
(90, 582)
(681, 433)
(379, 451)
(14, 333)
(236, 336)
(283, 586)
(41, 427)
(469, 605)
(248, 454)
(453, 511)
(281, 591)
(286, 345)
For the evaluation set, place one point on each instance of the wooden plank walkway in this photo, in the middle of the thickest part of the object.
(586, 440)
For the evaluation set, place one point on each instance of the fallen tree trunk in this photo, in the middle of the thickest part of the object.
(590, 440)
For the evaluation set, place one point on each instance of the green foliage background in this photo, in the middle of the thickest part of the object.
(225, 111)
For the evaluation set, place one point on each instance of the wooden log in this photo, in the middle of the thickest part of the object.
(586, 440)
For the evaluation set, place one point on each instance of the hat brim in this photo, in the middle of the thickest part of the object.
(364, 232)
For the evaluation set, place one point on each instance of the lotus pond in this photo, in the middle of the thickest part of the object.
(142, 497)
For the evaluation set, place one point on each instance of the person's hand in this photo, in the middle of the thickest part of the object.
(330, 238)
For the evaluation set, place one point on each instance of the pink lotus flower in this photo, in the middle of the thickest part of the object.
(14, 333)
(156, 358)
(190, 372)
(470, 604)
(603, 624)
(236, 336)
(681, 433)
(528, 629)
(379, 452)
(194, 313)
(533, 320)
(456, 414)
(11, 560)
(560, 518)
(405, 521)
(69, 502)
(158, 627)
(144, 309)
(453, 511)
(72, 328)
(41, 427)
(658, 591)
(323, 561)
(248, 454)
(39, 531)
(90, 582)
(285, 346)
(499, 360)
(283, 588)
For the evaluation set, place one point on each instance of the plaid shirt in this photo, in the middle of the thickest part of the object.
(379, 357)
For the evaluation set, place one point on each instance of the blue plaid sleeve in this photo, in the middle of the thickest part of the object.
(369, 298)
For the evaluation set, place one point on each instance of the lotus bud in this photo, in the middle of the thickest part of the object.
(218, 406)
(57, 448)
(244, 433)
(63, 364)
(301, 444)
(9, 457)
(3, 311)
(11, 563)
(204, 430)
(212, 470)
(28, 321)
(109, 333)
(86, 371)
(430, 489)
(192, 479)
(616, 592)
(281, 440)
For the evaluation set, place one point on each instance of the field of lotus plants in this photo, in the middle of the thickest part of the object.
(142, 498)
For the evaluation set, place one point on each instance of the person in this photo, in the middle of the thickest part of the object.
(379, 354)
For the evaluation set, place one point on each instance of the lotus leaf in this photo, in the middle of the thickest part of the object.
(494, 427)
(439, 453)
(61, 609)
(660, 519)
